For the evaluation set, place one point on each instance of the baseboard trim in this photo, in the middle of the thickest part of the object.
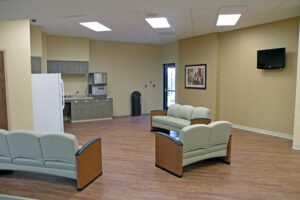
(262, 131)
(90, 120)
(296, 147)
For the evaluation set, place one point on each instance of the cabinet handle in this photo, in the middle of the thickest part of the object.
(97, 100)
(86, 101)
(76, 101)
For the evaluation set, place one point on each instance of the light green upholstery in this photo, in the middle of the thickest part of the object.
(29, 154)
(200, 112)
(173, 110)
(219, 132)
(59, 150)
(4, 150)
(185, 112)
(179, 116)
(194, 137)
(204, 141)
(52, 153)
(9, 197)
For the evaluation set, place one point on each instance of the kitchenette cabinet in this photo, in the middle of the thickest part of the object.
(67, 67)
(89, 109)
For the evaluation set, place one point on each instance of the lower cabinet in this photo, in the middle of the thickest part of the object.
(89, 109)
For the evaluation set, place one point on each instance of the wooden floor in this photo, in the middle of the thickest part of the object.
(263, 167)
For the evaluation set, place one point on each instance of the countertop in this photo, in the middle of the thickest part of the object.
(84, 98)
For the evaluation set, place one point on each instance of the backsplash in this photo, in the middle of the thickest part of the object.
(75, 83)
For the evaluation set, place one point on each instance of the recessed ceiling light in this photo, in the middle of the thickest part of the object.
(158, 22)
(95, 26)
(228, 19)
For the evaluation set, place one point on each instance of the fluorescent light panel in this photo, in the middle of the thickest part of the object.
(228, 19)
(95, 26)
(158, 22)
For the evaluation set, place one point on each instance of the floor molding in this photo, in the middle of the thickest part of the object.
(296, 147)
(262, 131)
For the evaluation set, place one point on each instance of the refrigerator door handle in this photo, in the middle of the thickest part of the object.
(63, 93)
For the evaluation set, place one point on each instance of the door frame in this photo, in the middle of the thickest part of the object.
(165, 83)
(5, 81)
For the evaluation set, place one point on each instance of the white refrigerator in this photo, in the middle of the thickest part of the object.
(48, 103)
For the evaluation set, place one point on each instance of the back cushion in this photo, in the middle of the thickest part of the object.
(194, 137)
(219, 132)
(201, 112)
(173, 110)
(185, 112)
(25, 145)
(4, 149)
(59, 147)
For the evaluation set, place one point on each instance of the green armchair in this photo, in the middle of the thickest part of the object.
(195, 143)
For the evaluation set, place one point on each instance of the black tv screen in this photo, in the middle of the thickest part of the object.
(271, 58)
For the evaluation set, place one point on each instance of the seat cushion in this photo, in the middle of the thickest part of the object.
(185, 112)
(193, 153)
(60, 165)
(173, 110)
(59, 147)
(200, 112)
(4, 159)
(28, 161)
(171, 121)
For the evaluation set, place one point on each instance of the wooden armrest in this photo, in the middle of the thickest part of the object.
(168, 154)
(200, 121)
(156, 113)
(89, 163)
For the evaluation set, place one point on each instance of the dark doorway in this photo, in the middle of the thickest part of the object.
(3, 108)
(169, 84)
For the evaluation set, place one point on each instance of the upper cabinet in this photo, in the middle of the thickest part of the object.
(36, 64)
(67, 67)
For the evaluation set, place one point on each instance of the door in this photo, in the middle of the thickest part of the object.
(3, 108)
(169, 84)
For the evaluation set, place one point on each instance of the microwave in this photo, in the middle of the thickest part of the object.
(97, 91)
(98, 78)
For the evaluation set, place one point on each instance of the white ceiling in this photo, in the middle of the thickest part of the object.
(188, 18)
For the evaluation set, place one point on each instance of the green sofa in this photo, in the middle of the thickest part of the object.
(52, 153)
(179, 116)
(195, 143)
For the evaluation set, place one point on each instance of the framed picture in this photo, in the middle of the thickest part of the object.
(195, 76)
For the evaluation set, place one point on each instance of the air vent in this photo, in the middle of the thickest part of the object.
(151, 15)
(74, 16)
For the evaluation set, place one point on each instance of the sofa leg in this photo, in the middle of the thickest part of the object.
(227, 158)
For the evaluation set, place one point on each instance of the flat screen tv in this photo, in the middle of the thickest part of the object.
(271, 58)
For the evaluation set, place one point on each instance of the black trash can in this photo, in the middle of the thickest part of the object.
(136, 103)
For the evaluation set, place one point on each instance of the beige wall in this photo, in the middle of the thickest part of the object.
(67, 48)
(263, 99)
(169, 54)
(296, 142)
(236, 90)
(36, 41)
(74, 83)
(15, 41)
(129, 67)
(199, 50)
